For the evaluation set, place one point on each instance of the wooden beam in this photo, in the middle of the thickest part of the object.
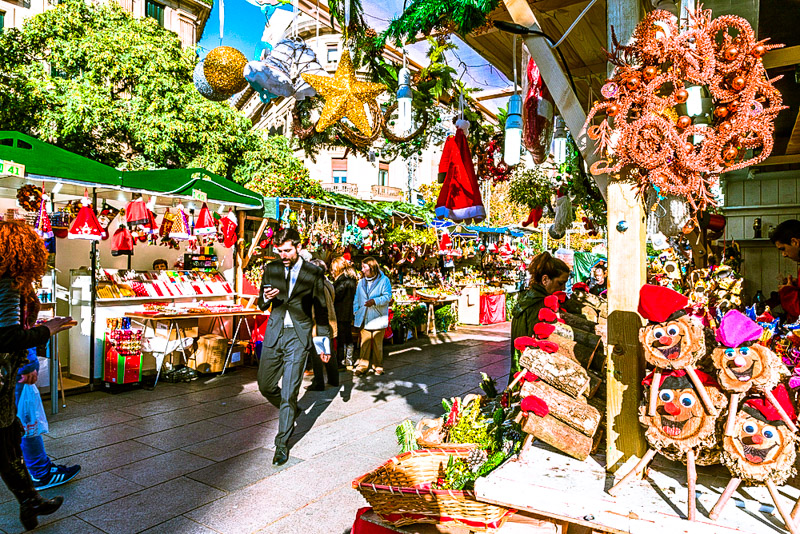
(785, 159)
(782, 57)
(494, 93)
(557, 82)
(544, 6)
(626, 275)
(793, 147)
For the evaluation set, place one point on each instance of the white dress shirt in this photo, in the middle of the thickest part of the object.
(292, 274)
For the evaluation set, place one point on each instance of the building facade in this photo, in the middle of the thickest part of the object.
(186, 18)
(374, 178)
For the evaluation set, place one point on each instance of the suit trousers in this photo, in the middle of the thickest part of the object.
(371, 349)
(287, 360)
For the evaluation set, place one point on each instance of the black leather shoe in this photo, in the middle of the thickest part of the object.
(36, 506)
(315, 387)
(281, 456)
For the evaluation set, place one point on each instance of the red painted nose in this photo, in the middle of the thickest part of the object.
(757, 439)
(672, 408)
(665, 340)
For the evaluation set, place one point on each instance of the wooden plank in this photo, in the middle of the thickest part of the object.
(752, 193)
(556, 79)
(558, 435)
(577, 413)
(769, 191)
(782, 57)
(785, 159)
(793, 147)
(550, 5)
(559, 371)
(549, 483)
(787, 191)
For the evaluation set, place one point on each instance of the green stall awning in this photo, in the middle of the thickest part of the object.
(47, 162)
(191, 184)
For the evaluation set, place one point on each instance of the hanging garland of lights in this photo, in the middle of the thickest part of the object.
(682, 107)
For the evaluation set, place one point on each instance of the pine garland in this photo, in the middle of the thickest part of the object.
(425, 16)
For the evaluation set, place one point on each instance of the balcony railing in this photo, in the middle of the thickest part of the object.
(345, 189)
(385, 192)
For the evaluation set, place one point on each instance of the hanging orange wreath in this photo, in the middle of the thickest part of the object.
(648, 127)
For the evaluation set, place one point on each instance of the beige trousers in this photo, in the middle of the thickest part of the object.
(371, 349)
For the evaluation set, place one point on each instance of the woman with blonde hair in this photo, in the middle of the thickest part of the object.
(23, 260)
(345, 279)
(371, 311)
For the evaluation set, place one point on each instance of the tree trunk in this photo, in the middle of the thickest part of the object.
(576, 413)
(558, 435)
(577, 334)
(577, 321)
(559, 371)
(577, 351)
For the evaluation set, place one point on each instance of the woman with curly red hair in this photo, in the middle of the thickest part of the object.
(23, 260)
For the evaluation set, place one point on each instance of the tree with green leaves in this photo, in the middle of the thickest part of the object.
(92, 79)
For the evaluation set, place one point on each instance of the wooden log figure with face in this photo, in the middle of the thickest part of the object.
(678, 427)
(761, 450)
(672, 339)
(743, 365)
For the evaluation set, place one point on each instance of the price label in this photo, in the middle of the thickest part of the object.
(202, 196)
(11, 169)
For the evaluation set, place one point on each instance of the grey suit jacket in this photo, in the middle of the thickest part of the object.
(308, 294)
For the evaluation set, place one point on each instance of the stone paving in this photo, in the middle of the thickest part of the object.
(196, 458)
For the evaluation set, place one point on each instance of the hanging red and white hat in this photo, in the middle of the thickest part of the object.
(204, 225)
(136, 212)
(180, 226)
(122, 242)
(228, 227)
(86, 225)
(43, 225)
(658, 303)
(445, 243)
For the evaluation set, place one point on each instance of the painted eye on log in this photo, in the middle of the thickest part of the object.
(750, 428)
(687, 400)
(658, 332)
(666, 395)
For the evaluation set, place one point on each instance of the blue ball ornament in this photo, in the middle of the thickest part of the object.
(203, 87)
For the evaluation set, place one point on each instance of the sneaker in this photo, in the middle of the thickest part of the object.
(59, 474)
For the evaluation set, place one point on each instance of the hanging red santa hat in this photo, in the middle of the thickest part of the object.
(658, 303)
(460, 196)
(180, 226)
(228, 227)
(43, 226)
(205, 222)
(86, 225)
(122, 242)
(136, 212)
(445, 243)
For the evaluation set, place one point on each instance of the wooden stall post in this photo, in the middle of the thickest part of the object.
(626, 274)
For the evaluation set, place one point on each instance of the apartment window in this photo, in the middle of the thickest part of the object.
(154, 10)
(339, 170)
(333, 53)
(383, 174)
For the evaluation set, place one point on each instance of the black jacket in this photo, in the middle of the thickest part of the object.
(308, 294)
(14, 344)
(345, 287)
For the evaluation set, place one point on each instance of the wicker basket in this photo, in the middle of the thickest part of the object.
(399, 491)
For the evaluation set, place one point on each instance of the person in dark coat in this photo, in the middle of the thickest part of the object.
(345, 279)
(548, 275)
(23, 259)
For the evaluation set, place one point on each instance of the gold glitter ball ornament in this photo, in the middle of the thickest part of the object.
(224, 70)
(345, 96)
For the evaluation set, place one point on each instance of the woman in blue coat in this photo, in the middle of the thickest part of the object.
(371, 315)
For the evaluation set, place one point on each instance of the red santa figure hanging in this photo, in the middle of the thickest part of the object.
(43, 226)
(460, 197)
(228, 226)
(205, 222)
(86, 225)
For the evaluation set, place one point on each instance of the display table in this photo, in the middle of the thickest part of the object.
(368, 522)
(551, 484)
(172, 321)
(493, 309)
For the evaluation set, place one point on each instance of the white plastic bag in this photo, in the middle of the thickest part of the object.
(31, 412)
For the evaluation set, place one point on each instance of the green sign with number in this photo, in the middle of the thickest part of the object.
(11, 169)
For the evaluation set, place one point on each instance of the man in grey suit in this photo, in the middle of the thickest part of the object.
(293, 288)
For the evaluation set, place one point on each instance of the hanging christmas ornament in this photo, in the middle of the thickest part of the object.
(86, 225)
(122, 242)
(363, 223)
(537, 116)
(460, 196)
(180, 226)
(43, 226)
(203, 87)
(224, 70)
(29, 197)
(136, 212)
(106, 215)
(205, 224)
(280, 73)
(345, 96)
(228, 226)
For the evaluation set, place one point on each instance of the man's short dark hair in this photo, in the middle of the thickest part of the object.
(785, 231)
(287, 234)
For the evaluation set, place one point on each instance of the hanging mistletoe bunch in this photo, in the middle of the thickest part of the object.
(652, 126)
(533, 187)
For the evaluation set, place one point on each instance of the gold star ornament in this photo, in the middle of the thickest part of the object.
(344, 95)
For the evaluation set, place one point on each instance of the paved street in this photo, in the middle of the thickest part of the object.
(197, 457)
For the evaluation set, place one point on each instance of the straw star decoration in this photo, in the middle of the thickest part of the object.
(345, 96)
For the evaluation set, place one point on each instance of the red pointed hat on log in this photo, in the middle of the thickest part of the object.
(767, 410)
(658, 303)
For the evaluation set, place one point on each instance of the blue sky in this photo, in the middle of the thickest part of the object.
(244, 24)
